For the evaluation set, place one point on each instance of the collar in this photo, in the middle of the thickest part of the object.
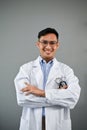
(41, 60)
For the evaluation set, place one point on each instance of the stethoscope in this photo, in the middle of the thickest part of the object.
(61, 81)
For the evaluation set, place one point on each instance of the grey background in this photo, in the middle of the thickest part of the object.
(20, 22)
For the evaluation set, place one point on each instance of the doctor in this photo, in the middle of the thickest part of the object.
(46, 88)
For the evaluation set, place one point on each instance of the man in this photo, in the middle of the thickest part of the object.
(46, 88)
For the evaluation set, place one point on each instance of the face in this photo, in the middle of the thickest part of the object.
(48, 45)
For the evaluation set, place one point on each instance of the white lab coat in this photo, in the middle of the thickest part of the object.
(57, 102)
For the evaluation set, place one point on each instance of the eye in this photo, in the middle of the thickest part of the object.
(53, 42)
(45, 42)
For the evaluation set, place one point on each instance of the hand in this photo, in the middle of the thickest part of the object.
(64, 87)
(33, 90)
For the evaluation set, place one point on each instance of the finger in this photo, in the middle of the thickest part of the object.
(64, 87)
(29, 92)
(26, 83)
(25, 89)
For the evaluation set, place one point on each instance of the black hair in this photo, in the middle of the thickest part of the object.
(47, 31)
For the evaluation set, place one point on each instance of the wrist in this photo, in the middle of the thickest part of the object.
(43, 93)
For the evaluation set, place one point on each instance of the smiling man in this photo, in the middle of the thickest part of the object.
(48, 45)
(46, 88)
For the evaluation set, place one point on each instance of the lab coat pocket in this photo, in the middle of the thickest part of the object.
(24, 124)
(66, 125)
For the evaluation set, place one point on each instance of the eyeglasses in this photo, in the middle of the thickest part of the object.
(45, 42)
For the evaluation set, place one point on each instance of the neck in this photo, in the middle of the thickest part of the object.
(47, 59)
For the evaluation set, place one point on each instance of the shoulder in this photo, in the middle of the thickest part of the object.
(63, 65)
(65, 68)
(27, 66)
(30, 64)
(67, 71)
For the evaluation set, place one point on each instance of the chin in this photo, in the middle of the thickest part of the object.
(48, 57)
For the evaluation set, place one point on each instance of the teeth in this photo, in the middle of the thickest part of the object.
(48, 52)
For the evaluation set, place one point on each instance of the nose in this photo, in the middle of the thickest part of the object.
(48, 45)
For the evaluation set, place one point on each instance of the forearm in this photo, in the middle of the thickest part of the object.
(30, 89)
(65, 97)
(40, 94)
(31, 101)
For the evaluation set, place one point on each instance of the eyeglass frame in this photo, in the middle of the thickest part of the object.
(45, 42)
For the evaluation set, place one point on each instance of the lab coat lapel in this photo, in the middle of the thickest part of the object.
(37, 72)
(53, 71)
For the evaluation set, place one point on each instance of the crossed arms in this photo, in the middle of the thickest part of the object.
(29, 89)
(32, 96)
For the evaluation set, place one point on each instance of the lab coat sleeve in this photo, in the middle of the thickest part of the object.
(65, 97)
(30, 100)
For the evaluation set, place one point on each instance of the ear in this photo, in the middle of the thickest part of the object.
(58, 44)
(37, 44)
